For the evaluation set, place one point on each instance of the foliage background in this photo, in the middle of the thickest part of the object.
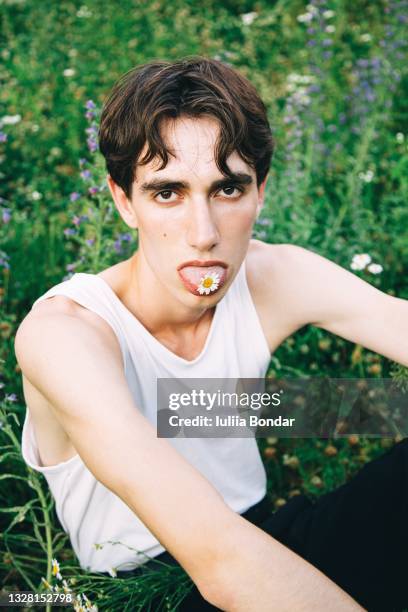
(333, 76)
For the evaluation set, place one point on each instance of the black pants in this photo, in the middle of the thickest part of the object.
(357, 534)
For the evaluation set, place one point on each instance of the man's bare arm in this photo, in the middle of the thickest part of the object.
(314, 290)
(235, 565)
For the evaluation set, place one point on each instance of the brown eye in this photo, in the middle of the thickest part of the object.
(230, 189)
(165, 195)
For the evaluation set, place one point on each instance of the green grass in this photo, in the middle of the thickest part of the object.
(338, 185)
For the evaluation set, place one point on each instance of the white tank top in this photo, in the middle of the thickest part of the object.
(104, 532)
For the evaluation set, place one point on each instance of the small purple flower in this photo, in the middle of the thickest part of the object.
(10, 397)
(3, 137)
(93, 190)
(89, 115)
(69, 231)
(78, 220)
(127, 237)
(82, 162)
(85, 174)
(90, 104)
(90, 241)
(6, 215)
(92, 145)
(117, 245)
(74, 196)
(70, 267)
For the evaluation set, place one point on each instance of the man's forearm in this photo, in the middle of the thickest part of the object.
(256, 572)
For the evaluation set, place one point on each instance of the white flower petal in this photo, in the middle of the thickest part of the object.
(375, 268)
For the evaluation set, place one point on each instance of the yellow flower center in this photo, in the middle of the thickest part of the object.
(207, 282)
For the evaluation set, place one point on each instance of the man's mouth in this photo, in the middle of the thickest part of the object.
(203, 277)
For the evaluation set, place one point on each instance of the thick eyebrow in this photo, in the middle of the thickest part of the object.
(236, 178)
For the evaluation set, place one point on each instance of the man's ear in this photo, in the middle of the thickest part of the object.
(261, 196)
(122, 203)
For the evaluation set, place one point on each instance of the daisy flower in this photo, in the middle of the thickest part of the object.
(46, 584)
(208, 283)
(375, 268)
(360, 261)
(56, 569)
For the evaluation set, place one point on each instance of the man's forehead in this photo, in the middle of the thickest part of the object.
(176, 170)
(191, 144)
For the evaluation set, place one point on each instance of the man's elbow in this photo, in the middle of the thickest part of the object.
(214, 591)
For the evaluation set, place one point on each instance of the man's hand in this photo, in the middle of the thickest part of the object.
(77, 365)
(316, 291)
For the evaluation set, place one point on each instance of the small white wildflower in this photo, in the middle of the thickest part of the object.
(304, 79)
(46, 584)
(365, 37)
(112, 572)
(10, 119)
(36, 195)
(328, 14)
(248, 18)
(56, 569)
(84, 12)
(35, 127)
(367, 177)
(360, 261)
(330, 29)
(68, 72)
(65, 586)
(300, 97)
(311, 8)
(400, 137)
(375, 268)
(305, 18)
(73, 52)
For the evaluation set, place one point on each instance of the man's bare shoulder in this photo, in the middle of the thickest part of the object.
(59, 312)
(280, 263)
(269, 262)
(268, 267)
(62, 306)
(290, 285)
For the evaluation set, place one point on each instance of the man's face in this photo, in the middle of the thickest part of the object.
(190, 213)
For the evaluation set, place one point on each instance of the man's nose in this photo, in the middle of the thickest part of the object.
(202, 232)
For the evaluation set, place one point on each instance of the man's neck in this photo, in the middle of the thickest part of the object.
(164, 317)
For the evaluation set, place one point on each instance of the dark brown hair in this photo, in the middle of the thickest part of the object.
(193, 86)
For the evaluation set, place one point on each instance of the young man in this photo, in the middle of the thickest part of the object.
(188, 147)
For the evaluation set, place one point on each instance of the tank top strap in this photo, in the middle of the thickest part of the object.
(241, 309)
(87, 291)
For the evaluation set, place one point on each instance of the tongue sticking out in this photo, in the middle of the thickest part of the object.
(203, 280)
